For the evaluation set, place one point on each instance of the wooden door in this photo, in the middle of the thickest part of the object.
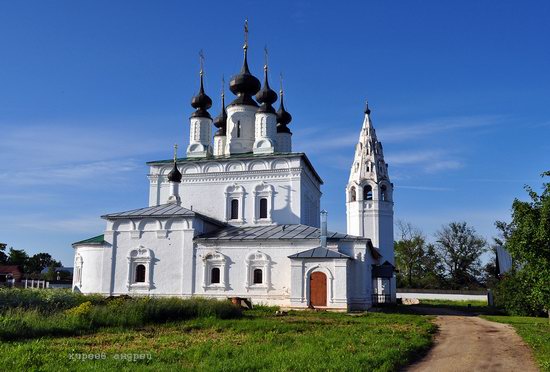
(318, 289)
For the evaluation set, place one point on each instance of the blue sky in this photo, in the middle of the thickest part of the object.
(91, 90)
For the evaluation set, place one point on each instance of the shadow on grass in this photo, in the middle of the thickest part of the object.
(429, 309)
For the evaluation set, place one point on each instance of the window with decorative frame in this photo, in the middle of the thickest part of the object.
(263, 197)
(234, 196)
(258, 267)
(140, 261)
(214, 271)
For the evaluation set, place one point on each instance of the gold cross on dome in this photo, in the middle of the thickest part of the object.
(175, 152)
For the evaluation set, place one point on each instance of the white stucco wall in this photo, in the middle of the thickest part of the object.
(443, 296)
(205, 186)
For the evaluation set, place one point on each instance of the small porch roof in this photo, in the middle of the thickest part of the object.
(319, 252)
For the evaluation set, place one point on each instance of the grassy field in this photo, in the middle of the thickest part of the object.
(534, 331)
(460, 303)
(259, 340)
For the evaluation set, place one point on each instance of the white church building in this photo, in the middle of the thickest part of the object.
(240, 217)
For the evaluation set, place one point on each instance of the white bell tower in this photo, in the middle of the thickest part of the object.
(369, 193)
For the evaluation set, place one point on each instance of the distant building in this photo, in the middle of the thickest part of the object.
(10, 274)
(240, 217)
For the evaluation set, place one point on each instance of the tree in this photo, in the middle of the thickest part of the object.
(3, 256)
(431, 275)
(18, 257)
(416, 261)
(39, 262)
(460, 248)
(528, 242)
(409, 252)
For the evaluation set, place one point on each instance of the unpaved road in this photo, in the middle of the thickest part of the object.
(468, 343)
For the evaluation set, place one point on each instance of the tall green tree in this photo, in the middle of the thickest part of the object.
(3, 255)
(18, 257)
(39, 262)
(460, 248)
(431, 275)
(409, 252)
(528, 242)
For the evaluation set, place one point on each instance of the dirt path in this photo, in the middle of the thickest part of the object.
(468, 343)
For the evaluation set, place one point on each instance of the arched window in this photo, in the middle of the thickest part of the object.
(234, 209)
(215, 276)
(258, 276)
(258, 270)
(140, 269)
(263, 208)
(238, 129)
(353, 194)
(215, 272)
(367, 192)
(140, 274)
(383, 193)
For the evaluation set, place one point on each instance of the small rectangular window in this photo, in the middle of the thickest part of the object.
(263, 208)
(140, 274)
(215, 276)
(258, 276)
(234, 209)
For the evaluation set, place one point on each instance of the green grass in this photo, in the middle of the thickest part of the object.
(43, 300)
(461, 303)
(21, 323)
(258, 341)
(534, 331)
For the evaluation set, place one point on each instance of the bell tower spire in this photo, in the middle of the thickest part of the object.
(369, 193)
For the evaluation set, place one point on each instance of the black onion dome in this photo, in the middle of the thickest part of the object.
(244, 85)
(201, 103)
(367, 109)
(175, 174)
(220, 121)
(266, 96)
(283, 117)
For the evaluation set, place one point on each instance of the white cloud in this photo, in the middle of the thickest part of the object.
(38, 222)
(399, 132)
(424, 188)
(71, 173)
(315, 141)
(443, 165)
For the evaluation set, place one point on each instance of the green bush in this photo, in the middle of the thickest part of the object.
(43, 300)
(85, 317)
(512, 294)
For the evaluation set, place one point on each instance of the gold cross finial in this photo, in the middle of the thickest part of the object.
(201, 59)
(245, 46)
(281, 90)
(266, 57)
(175, 152)
(223, 86)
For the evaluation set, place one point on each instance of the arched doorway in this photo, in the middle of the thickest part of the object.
(318, 289)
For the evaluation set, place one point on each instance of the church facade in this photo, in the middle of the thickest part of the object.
(240, 216)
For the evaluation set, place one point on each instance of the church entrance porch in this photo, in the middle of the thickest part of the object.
(318, 289)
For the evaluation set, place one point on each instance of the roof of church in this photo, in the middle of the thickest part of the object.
(247, 155)
(319, 252)
(100, 239)
(280, 232)
(163, 210)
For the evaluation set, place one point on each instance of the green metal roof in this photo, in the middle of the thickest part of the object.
(100, 239)
(247, 155)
